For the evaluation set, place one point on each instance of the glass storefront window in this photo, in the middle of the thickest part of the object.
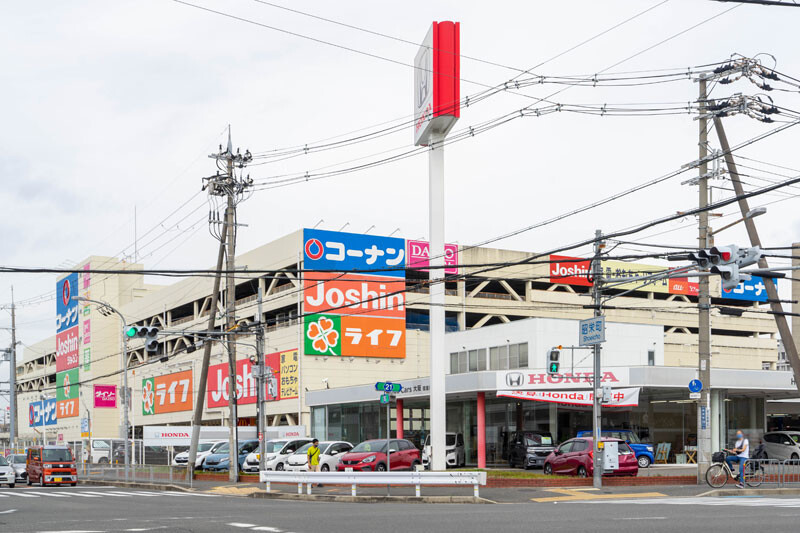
(513, 356)
(482, 359)
(494, 358)
(523, 355)
(473, 360)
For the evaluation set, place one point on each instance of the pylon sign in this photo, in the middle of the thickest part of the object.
(437, 71)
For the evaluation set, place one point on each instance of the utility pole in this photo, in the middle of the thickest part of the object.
(260, 381)
(597, 294)
(12, 377)
(704, 300)
(772, 291)
(230, 186)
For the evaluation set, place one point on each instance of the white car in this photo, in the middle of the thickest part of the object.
(330, 453)
(7, 474)
(455, 455)
(204, 449)
(277, 450)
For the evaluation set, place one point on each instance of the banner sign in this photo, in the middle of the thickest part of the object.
(105, 396)
(67, 346)
(167, 394)
(752, 290)
(437, 77)
(66, 307)
(419, 254)
(218, 383)
(167, 435)
(284, 366)
(619, 397)
(67, 393)
(541, 380)
(575, 271)
(42, 414)
(349, 313)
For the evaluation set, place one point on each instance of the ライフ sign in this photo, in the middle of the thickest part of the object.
(167, 394)
(354, 336)
(67, 393)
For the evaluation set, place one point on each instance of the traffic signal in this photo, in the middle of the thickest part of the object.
(553, 362)
(150, 335)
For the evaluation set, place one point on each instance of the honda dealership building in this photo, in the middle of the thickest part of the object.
(344, 311)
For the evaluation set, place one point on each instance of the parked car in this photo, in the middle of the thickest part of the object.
(279, 456)
(330, 453)
(574, 457)
(220, 459)
(251, 464)
(782, 445)
(7, 474)
(51, 465)
(204, 449)
(370, 456)
(18, 463)
(455, 454)
(529, 449)
(643, 450)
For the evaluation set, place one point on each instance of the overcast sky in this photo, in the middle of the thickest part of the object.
(111, 105)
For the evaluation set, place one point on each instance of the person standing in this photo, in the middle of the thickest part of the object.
(313, 457)
(739, 454)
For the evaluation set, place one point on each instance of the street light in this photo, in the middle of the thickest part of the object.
(124, 346)
(753, 213)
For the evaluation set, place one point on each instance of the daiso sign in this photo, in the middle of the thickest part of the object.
(219, 383)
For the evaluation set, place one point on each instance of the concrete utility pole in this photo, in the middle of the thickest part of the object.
(230, 323)
(260, 381)
(597, 274)
(703, 301)
(772, 291)
(12, 377)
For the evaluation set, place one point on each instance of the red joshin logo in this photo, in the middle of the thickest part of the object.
(65, 292)
(312, 244)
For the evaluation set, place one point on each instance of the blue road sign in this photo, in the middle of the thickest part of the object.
(695, 385)
(388, 386)
(385, 398)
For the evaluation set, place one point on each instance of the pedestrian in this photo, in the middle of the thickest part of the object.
(739, 454)
(313, 458)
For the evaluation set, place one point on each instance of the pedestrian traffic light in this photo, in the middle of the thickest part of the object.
(553, 357)
(150, 335)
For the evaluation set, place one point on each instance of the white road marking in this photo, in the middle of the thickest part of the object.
(239, 524)
(76, 493)
(104, 493)
(53, 494)
(22, 495)
(8, 511)
(734, 501)
(267, 528)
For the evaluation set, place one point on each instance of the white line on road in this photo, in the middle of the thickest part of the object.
(53, 494)
(22, 495)
(743, 501)
(239, 524)
(76, 493)
(8, 511)
(266, 528)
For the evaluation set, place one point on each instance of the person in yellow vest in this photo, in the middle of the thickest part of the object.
(313, 457)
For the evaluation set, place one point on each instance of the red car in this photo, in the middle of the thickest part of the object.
(574, 457)
(370, 456)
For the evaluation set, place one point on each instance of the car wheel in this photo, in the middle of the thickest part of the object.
(279, 467)
(74, 484)
(581, 471)
(325, 468)
(548, 469)
(380, 468)
(794, 457)
(103, 460)
(414, 465)
(644, 461)
(11, 485)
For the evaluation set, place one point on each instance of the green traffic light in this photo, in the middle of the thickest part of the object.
(554, 368)
(131, 332)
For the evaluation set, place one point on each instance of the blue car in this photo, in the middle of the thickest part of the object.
(643, 450)
(220, 461)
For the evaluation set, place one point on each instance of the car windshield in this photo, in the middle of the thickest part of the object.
(631, 437)
(225, 448)
(304, 448)
(204, 447)
(450, 440)
(538, 439)
(3, 461)
(57, 455)
(275, 445)
(370, 446)
(17, 458)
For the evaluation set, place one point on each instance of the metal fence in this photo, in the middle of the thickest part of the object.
(136, 473)
(774, 471)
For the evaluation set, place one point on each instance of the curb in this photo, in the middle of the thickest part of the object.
(135, 485)
(370, 499)
(751, 492)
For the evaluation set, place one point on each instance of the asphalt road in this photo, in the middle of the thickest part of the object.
(102, 509)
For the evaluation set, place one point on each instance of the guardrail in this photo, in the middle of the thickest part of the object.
(374, 478)
(774, 471)
(141, 473)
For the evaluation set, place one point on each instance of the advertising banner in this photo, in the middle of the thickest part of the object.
(354, 314)
(167, 435)
(105, 396)
(42, 414)
(569, 271)
(66, 307)
(67, 346)
(284, 366)
(167, 394)
(619, 397)
(531, 379)
(218, 383)
(67, 393)
(437, 77)
(752, 290)
(419, 254)
(87, 358)
(87, 331)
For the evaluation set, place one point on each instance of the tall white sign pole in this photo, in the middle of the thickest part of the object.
(436, 275)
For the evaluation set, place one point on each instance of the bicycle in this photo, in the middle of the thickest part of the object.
(718, 474)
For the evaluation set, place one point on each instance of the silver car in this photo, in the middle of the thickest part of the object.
(782, 445)
(7, 474)
(18, 462)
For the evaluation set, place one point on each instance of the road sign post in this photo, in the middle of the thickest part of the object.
(388, 390)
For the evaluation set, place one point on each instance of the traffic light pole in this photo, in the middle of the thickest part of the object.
(596, 411)
(772, 291)
(704, 300)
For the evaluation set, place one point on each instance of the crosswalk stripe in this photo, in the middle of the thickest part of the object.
(3, 496)
(53, 494)
(22, 495)
(104, 493)
(76, 493)
(738, 501)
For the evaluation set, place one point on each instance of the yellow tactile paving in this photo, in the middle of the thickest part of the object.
(233, 490)
(574, 495)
